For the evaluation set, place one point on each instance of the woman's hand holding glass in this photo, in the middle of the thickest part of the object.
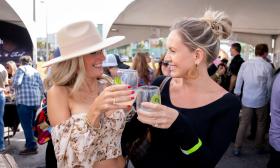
(149, 108)
(110, 100)
(157, 115)
(129, 77)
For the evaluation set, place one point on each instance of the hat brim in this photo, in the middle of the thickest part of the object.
(99, 46)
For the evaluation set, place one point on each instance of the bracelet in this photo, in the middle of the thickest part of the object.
(193, 149)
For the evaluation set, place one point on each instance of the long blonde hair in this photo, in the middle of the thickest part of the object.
(13, 67)
(68, 73)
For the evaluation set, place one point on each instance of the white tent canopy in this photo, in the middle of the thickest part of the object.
(254, 21)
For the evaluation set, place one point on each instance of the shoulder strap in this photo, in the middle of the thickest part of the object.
(163, 83)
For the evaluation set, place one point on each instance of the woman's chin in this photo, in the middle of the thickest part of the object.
(173, 74)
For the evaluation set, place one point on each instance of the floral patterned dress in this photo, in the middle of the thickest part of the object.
(77, 144)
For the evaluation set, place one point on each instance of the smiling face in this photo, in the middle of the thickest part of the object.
(181, 58)
(93, 64)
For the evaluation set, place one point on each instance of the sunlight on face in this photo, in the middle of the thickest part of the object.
(180, 57)
(93, 64)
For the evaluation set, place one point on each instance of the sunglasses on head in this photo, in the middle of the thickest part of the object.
(164, 63)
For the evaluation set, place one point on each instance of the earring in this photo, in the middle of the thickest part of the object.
(193, 73)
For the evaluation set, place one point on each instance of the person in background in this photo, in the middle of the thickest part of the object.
(11, 67)
(235, 64)
(29, 90)
(110, 65)
(84, 109)
(121, 65)
(145, 73)
(162, 67)
(213, 67)
(3, 82)
(256, 77)
(274, 130)
(195, 122)
(150, 60)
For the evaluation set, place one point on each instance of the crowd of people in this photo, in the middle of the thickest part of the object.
(206, 102)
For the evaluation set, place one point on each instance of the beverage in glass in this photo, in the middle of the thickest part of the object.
(129, 77)
(147, 93)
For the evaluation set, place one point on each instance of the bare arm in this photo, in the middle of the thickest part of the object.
(58, 108)
(232, 82)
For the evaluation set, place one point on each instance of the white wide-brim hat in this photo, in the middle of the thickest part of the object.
(78, 39)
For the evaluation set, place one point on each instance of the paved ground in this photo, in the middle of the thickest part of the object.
(249, 158)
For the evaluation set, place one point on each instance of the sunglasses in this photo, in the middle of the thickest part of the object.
(164, 63)
(97, 52)
(110, 67)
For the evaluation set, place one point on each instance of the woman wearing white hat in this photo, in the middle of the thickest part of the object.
(86, 118)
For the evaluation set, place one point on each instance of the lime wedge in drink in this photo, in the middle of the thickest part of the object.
(117, 80)
(156, 99)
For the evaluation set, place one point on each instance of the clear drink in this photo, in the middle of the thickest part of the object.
(147, 94)
(129, 77)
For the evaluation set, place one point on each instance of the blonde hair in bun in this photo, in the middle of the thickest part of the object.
(204, 32)
(219, 22)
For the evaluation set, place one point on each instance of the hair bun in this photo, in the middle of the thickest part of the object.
(219, 23)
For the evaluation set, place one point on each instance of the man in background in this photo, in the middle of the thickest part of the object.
(256, 77)
(29, 93)
(235, 64)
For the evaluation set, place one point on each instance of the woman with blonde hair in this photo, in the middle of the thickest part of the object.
(196, 121)
(11, 67)
(83, 108)
(3, 82)
(140, 64)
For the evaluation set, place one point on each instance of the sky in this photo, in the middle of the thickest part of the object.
(51, 15)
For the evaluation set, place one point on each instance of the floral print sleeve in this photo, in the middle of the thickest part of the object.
(77, 144)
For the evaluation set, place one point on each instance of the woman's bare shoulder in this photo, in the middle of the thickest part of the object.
(58, 108)
(58, 90)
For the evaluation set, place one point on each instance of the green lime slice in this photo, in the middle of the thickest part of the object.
(117, 80)
(156, 99)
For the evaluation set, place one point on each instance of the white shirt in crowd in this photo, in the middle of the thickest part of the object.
(256, 74)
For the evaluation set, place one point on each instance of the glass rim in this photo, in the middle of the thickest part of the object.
(127, 70)
(148, 87)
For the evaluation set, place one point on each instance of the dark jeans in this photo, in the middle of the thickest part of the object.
(274, 160)
(26, 116)
(50, 156)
